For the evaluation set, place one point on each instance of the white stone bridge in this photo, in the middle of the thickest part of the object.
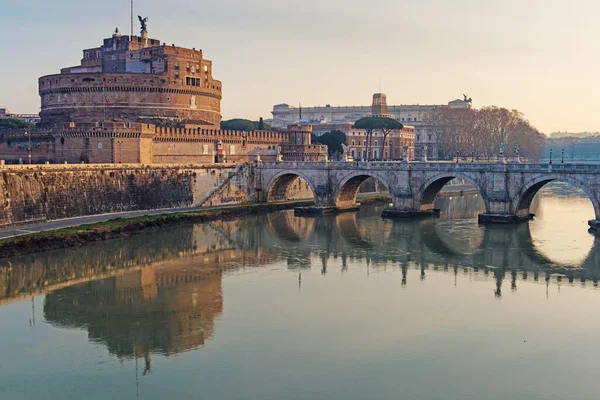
(507, 188)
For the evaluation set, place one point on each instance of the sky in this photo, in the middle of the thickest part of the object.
(540, 57)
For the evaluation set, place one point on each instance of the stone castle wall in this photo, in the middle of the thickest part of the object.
(38, 193)
(131, 97)
(139, 143)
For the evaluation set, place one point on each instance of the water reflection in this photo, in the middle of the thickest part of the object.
(161, 292)
(275, 295)
(259, 240)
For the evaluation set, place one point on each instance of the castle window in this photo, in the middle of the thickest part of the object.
(100, 145)
(206, 68)
(191, 81)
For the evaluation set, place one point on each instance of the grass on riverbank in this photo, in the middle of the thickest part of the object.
(123, 227)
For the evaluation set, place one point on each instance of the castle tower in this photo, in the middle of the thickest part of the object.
(379, 106)
(300, 134)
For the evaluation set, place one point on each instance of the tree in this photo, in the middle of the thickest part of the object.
(333, 140)
(371, 124)
(238, 124)
(14, 123)
(482, 132)
(387, 126)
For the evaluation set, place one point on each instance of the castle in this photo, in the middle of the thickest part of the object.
(137, 100)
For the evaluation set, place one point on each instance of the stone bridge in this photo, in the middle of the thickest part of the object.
(507, 188)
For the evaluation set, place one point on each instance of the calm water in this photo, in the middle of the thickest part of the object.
(344, 307)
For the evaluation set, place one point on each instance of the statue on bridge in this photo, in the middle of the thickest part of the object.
(501, 153)
(345, 156)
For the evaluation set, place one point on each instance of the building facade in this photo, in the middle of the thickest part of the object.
(398, 145)
(134, 79)
(134, 142)
(338, 117)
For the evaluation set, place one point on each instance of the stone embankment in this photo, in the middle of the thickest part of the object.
(49, 192)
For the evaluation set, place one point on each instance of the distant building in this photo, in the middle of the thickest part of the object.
(30, 118)
(392, 148)
(573, 149)
(343, 117)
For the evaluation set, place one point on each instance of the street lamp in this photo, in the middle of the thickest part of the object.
(550, 156)
(562, 156)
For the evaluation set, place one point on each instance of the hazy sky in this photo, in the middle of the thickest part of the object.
(538, 56)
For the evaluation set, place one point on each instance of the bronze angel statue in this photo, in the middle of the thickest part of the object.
(467, 99)
(144, 22)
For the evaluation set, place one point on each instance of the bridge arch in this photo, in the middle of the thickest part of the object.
(347, 190)
(278, 188)
(432, 187)
(532, 187)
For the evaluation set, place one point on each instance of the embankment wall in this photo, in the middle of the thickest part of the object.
(49, 192)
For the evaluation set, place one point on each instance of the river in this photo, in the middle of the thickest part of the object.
(336, 307)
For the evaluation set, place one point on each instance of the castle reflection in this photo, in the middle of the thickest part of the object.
(161, 292)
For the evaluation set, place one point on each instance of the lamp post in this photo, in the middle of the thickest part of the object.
(550, 156)
(562, 156)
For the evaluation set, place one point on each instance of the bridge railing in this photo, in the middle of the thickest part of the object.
(446, 165)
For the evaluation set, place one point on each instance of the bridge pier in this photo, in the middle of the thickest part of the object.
(405, 206)
(490, 218)
(415, 214)
(500, 211)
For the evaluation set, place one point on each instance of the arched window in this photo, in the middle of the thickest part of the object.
(353, 143)
(352, 153)
(376, 143)
(364, 142)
